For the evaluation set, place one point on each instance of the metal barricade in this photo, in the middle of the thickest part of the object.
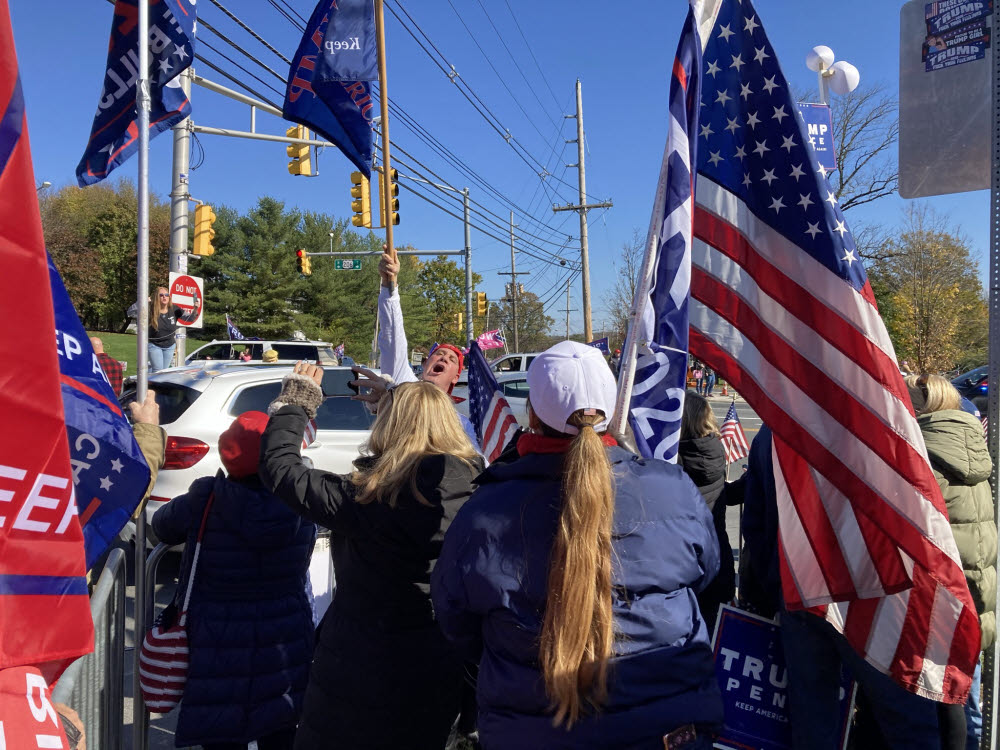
(140, 714)
(94, 685)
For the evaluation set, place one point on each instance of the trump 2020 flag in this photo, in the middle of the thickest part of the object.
(109, 471)
(782, 309)
(114, 136)
(490, 413)
(44, 607)
(339, 111)
(657, 345)
(234, 332)
(349, 52)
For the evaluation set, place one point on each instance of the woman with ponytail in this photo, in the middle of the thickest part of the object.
(571, 575)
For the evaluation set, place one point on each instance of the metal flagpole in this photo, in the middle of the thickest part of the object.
(383, 96)
(140, 718)
(179, 196)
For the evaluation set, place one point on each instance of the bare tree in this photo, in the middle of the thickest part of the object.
(619, 298)
(866, 127)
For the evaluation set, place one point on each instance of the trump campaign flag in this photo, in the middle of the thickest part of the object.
(491, 340)
(233, 331)
(349, 46)
(656, 348)
(340, 111)
(114, 136)
(488, 409)
(782, 309)
(110, 473)
(44, 608)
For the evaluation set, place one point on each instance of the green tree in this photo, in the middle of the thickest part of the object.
(930, 295)
(532, 322)
(91, 234)
(441, 285)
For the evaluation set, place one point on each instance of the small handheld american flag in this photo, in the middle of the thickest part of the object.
(734, 440)
(488, 409)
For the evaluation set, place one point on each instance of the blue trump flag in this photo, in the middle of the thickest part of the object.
(658, 338)
(114, 136)
(340, 111)
(349, 47)
(110, 474)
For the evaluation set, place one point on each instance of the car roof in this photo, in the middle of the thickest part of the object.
(238, 373)
(264, 341)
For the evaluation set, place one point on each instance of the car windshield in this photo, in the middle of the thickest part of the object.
(172, 399)
(972, 375)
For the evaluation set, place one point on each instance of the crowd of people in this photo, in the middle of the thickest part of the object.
(552, 598)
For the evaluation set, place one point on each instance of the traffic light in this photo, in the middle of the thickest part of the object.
(361, 205)
(481, 303)
(298, 152)
(394, 192)
(459, 319)
(204, 218)
(303, 262)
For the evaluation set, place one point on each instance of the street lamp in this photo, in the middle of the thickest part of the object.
(841, 77)
(45, 185)
(331, 241)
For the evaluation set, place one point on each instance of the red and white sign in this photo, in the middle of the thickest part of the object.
(188, 293)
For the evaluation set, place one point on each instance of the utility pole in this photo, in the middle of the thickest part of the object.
(513, 273)
(582, 208)
(179, 197)
(568, 308)
(470, 334)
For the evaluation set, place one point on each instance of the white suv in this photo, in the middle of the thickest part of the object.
(197, 404)
(288, 351)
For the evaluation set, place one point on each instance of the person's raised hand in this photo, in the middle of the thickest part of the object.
(148, 412)
(310, 371)
(376, 384)
(388, 268)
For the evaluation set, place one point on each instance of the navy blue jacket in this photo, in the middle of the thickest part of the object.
(250, 626)
(489, 591)
(760, 578)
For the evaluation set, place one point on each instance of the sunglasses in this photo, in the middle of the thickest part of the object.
(165, 295)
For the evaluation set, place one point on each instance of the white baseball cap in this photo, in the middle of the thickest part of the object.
(566, 378)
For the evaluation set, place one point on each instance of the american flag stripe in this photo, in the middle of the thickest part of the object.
(500, 429)
(489, 411)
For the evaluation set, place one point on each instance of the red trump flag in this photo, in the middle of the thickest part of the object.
(44, 608)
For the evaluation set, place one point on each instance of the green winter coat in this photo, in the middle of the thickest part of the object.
(962, 465)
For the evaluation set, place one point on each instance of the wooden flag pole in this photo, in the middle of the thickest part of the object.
(383, 95)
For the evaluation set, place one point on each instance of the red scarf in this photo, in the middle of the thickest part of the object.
(531, 442)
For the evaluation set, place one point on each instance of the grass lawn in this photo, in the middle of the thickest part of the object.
(121, 346)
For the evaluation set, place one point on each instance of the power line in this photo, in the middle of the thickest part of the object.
(251, 32)
(532, 53)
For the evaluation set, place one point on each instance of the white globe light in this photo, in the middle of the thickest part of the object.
(817, 56)
(845, 78)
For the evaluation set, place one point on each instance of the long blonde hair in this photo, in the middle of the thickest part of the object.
(577, 633)
(415, 420)
(154, 305)
(697, 420)
(932, 393)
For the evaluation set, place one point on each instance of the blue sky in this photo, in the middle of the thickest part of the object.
(621, 52)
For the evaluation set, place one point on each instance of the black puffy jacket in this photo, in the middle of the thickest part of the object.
(383, 675)
(250, 627)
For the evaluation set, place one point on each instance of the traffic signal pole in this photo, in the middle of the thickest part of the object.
(179, 197)
(469, 333)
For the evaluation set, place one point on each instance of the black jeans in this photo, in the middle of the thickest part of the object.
(275, 741)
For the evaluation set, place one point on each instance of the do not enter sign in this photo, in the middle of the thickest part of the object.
(187, 293)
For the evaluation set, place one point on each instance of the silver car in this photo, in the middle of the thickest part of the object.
(197, 404)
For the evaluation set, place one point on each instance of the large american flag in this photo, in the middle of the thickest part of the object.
(488, 409)
(734, 440)
(655, 361)
(781, 307)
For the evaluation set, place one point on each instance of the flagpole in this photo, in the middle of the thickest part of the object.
(626, 371)
(383, 95)
(139, 715)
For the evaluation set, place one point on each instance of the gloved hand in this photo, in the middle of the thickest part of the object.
(301, 387)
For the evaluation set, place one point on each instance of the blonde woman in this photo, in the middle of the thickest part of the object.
(571, 576)
(163, 317)
(383, 674)
(962, 466)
